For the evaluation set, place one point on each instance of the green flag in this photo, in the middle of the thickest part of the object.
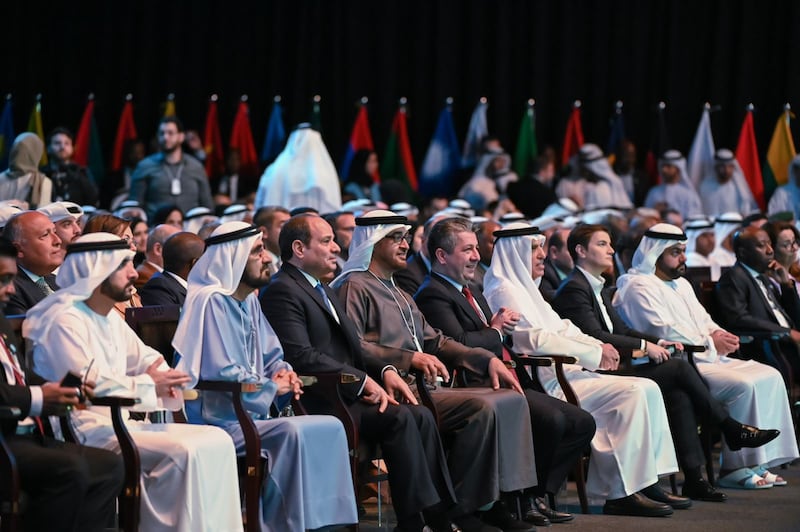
(527, 150)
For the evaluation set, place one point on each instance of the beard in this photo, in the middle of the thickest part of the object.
(117, 294)
(258, 281)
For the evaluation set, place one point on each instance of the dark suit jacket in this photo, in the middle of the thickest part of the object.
(550, 281)
(575, 301)
(447, 309)
(12, 395)
(312, 340)
(145, 271)
(27, 293)
(162, 289)
(743, 307)
(412, 277)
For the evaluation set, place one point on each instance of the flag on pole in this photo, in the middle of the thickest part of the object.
(6, 133)
(215, 156)
(360, 139)
(275, 137)
(659, 143)
(169, 105)
(88, 151)
(35, 125)
(527, 150)
(316, 114)
(242, 140)
(397, 162)
(126, 130)
(780, 153)
(616, 135)
(747, 155)
(477, 130)
(700, 162)
(442, 159)
(573, 137)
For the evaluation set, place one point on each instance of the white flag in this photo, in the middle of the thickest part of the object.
(701, 157)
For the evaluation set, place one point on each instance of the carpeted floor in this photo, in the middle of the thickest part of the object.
(772, 510)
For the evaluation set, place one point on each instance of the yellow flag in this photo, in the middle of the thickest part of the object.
(169, 107)
(781, 149)
(35, 126)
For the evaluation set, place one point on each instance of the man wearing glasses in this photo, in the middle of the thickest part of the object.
(489, 450)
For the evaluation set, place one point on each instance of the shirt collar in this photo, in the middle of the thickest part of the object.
(177, 277)
(597, 283)
(458, 286)
(311, 280)
(32, 276)
(754, 274)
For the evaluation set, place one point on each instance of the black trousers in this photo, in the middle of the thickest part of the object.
(686, 397)
(71, 487)
(561, 432)
(412, 448)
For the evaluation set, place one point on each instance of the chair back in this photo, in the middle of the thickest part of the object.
(155, 325)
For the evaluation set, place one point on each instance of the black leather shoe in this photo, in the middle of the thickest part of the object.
(655, 493)
(499, 516)
(530, 512)
(636, 505)
(701, 490)
(748, 436)
(470, 523)
(552, 515)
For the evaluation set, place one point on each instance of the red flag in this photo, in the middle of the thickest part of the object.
(126, 130)
(215, 158)
(747, 155)
(397, 162)
(82, 138)
(360, 139)
(242, 140)
(573, 138)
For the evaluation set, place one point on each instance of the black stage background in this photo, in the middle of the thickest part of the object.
(685, 52)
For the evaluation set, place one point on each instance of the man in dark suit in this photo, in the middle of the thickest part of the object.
(557, 264)
(154, 254)
(759, 296)
(180, 252)
(485, 249)
(317, 335)
(39, 253)
(70, 487)
(561, 431)
(584, 300)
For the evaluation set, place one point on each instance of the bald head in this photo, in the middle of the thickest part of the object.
(155, 242)
(181, 251)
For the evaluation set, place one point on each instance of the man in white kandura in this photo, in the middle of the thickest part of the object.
(653, 297)
(632, 445)
(223, 335)
(189, 480)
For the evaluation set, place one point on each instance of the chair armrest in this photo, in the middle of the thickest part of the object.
(687, 348)
(748, 337)
(115, 402)
(425, 394)
(252, 439)
(326, 384)
(527, 360)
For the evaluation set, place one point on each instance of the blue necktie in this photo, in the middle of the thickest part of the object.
(319, 288)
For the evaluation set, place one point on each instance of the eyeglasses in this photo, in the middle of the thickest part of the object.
(789, 245)
(397, 237)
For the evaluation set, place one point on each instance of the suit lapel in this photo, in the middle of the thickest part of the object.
(460, 300)
(579, 278)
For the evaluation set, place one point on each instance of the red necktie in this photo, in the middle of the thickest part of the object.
(19, 378)
(474, 304)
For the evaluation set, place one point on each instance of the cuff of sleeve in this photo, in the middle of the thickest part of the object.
(37, 400)
(363, 384)
(499, 332)
(390, 368)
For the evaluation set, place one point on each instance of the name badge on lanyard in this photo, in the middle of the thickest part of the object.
(175, 184)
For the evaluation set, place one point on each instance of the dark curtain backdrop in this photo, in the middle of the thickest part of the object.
(685, 52)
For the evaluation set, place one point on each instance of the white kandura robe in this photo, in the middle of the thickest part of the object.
(752, 392)
(719, 198)
(679, 196)
(309, 484)
(632, 445)
(189, 480)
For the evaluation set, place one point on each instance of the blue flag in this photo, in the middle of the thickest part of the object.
(442, 160)
(477, 130)
(6, 134)
(276, 135)
(617, 134)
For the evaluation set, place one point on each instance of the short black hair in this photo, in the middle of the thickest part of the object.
(297, 228)
(61, 130)
(172, 119)
(581, 235)
(7, 248)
